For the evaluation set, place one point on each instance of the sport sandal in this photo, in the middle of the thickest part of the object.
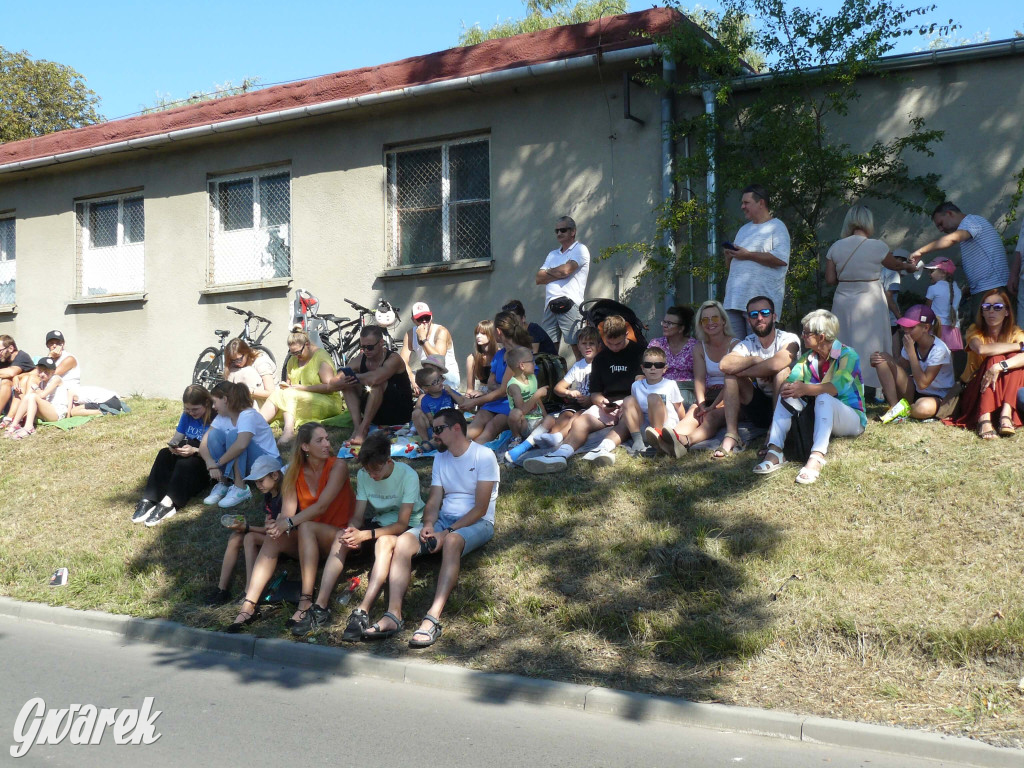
(431, 634)
(768, 466)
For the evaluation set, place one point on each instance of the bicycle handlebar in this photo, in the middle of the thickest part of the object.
(359, 307)
(249, 315)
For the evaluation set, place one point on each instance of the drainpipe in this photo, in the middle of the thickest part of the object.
(709, 110)
(668, 67)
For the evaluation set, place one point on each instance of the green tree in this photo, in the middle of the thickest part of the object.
(39, 97)
(545, 14)
(781, 132)
(222, 90)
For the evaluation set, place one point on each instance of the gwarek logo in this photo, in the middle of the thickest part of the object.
(82, 724)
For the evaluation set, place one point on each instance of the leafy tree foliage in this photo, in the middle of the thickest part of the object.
(545, 14)
(39, 97)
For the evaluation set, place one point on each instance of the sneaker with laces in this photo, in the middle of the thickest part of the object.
(901, 409)
(160, 513)
(143, 510)
(218, 492)
(600, 458)
(235, 496)
(543, 465)
(315, 618)
(358, 622)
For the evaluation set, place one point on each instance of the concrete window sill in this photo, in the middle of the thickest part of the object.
(112, 298)
(260, 285)
(442, 268)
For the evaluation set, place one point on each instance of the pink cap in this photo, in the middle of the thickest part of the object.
(919, 313)
(944, 264)
(419, 309)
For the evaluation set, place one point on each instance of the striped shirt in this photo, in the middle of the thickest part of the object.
(983, 256)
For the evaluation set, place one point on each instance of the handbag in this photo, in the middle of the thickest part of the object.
(951, 338)
(800, 440)
(561, 305)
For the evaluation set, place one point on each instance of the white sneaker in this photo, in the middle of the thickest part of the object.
(218, 492)
(543, 465)
(235, 495)
(600, 458)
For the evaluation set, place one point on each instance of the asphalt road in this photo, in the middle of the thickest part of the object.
(220, 709)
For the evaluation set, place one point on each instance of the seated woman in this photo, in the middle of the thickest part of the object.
(828, 372)
(244, 365)
(704, 418)
(995, 369)
(478, 364)
(305, 392)
(178, 472)
(388, 502)
(923, 374)
(317, 493)
(236, 438)
(680, 348)
(40, 396)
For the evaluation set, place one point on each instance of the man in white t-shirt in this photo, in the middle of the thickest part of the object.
(564, 277)
(982, 254)
(457, 519)
(757, 259)
(754, 370)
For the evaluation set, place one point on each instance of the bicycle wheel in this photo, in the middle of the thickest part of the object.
(209, 368)
(265, 351)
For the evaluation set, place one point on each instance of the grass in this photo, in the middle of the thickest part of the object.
(890, 592)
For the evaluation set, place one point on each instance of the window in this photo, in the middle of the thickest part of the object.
(6, 261)
(250, 227)
(111, 239)
(439, 202)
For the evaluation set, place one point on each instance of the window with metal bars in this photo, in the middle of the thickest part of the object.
(111, 245)
(7, 275)
(250, 227)
(439, 202)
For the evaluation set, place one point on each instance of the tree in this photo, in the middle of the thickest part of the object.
(166, 101)
(40, 97)
(545, 14)
(781, 133)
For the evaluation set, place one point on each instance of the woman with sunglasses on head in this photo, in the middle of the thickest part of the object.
(305, 393)
(995, 370)
(704, 418)
(679, 348)
(244, 365)
(428, 338)
(828, 372)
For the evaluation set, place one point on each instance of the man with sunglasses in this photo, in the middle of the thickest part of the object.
(427, 338)
(564, 277)
(757, 259)
(982, 254)
(754, 371)
(379, 392)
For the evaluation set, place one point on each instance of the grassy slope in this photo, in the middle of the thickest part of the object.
(890, 592)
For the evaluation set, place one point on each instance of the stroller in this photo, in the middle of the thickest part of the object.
(595, 311)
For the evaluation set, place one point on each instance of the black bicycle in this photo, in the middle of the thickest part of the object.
(209, 368)
(347, 334)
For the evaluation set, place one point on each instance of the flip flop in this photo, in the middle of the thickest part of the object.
(376, 633)
(431, 634)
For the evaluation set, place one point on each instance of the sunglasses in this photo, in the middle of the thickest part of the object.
(652, 364)
(238, 360)
(439, 428)
(706, 321)
(806, 333)
(670, 322)
(752, 314)
(424, 319)
(369, 347)
(562, 230)
(997, 307)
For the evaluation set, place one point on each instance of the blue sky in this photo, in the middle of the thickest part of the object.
(132, 53)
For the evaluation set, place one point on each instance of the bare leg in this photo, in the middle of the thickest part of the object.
(517, 423)
(227, 568)
(422, 425)
(373, 401)
(656, 411)
(263, 568)
(480, 420)
(400, 574)
(251, 545)
(382, 555)
(315, 540)
(355, 407)
(447, 577)
(333, 568)
(491, 429)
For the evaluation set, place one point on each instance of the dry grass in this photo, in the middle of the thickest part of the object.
(890, 592)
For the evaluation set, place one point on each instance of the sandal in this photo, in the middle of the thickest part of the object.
(427, 446)
(377, 633)
(985, 431)
(22, 433)
(1006, 428)
(292, 622)
(431, 634)
(673, 444)
(768, 466)
(250, 616)
(737, 445)
(809, 475)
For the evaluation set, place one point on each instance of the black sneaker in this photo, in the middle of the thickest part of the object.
(315, 618)
(217, 597)
(358, 621)
(143, 510)
(160, 513)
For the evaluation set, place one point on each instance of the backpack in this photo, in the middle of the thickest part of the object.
(550, 369)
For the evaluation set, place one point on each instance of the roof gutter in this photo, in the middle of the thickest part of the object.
(469, 82)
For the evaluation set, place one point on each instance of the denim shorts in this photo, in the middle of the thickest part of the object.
(475, 535)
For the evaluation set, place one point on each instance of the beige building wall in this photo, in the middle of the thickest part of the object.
(557, 147)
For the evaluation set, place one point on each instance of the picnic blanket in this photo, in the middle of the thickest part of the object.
(67, 423)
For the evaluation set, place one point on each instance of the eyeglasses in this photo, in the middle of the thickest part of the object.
(439, 428)
(434, 383)
(806, 333)
(238, 360)
(368, 347)
(706, 321)
(670, 322)
(562, 230)
(424, 319)
(652, 364)
(997, 307)
(752, 314)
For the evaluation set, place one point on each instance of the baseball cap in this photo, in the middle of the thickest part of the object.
(263, 466)
(46, 362)
(419, 309)
(436, 361)
(919, 313)
(944, 264)
(54, 335)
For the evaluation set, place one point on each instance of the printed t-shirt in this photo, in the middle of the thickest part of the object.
(613, 373)
(192, 429)
(667, 390)
(458, 476)
(527, 390)
(578, 377)
(430, 405)
(386, 497)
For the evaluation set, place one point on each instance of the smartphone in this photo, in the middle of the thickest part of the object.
(59, 578)
(348, 371)
(173, 443)
(729, 246)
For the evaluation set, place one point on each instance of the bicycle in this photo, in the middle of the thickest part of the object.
(209, 367)
(385, 316)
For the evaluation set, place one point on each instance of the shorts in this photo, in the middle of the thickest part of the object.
(565, 327)
(609, 420)
(393, 410)
(60, 401)
(759, 410)
(475, 535)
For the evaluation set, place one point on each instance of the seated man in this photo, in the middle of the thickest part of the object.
(13, 362)
(612, 374)
(379, 393)
(754, 371)
(457, 519)
(429, 339)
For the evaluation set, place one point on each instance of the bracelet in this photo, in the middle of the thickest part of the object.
(373, 534)
(246, 527)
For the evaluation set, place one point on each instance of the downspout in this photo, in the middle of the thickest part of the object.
(711, 183)
(668, 67)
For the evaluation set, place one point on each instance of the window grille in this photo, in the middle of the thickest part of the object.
(250, 227)
(439, 202)
(7, 275)
(111, 245)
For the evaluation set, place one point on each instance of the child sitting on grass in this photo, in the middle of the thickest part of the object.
(574, 387)
(657, 398)
(267, 473)
(437, 396)
(524, 396)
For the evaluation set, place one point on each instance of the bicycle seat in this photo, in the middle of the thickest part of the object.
(336, 319)
(222, 334)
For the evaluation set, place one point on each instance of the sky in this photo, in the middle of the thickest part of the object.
(132, 54)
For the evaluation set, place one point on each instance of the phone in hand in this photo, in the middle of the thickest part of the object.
(729, 246)
(175, 442)
(348, 372)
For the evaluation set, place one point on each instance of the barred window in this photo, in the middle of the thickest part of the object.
(250, 227)
(439, 202)
(7, 261)
(110, 245)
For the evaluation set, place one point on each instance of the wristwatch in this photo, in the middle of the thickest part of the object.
(449, 529)
(1003, 366)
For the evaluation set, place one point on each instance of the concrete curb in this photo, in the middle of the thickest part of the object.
(505, 687)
